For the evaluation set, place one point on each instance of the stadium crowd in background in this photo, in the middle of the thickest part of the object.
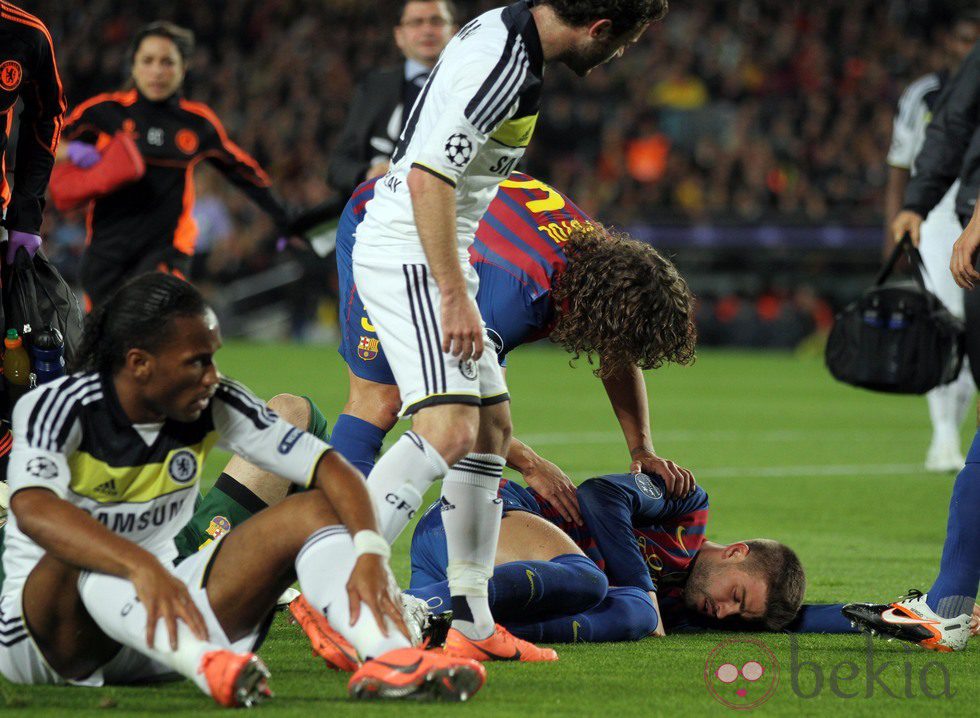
(775, 112)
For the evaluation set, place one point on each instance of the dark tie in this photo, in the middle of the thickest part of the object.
(410, 92)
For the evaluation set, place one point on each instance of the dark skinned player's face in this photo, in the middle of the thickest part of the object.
(182, 374)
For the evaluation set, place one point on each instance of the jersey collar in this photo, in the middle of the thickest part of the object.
(519, 17)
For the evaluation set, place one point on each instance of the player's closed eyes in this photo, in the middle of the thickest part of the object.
(750, 671)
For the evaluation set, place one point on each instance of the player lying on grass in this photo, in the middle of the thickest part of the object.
(945, 617)
(546, 270)
(103, 474)
(638, 566)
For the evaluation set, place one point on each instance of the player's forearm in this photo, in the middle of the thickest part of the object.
(898, 178)
(347, 493)
(627, 394)
(520, 456)
(434, 208)
(73, 536)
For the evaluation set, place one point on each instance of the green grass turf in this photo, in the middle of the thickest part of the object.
(783, 451)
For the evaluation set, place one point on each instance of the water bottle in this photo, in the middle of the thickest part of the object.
(48, 355)
(16, 366)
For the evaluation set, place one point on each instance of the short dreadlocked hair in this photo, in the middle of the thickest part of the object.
(624, 14)
(621, 300)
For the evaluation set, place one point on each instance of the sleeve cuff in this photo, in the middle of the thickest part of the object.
(311, 477)
(435, 173)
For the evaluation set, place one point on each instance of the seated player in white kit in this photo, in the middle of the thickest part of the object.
(104, 473)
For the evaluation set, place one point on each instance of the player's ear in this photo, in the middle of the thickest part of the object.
(735, 552)
(600, 29)
(139, 363)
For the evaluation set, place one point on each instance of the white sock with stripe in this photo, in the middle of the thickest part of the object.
(471, 517)
(399, 480)
(323, 566)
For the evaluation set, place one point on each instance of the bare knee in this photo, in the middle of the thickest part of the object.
(451, 430)
(292, 408)
(377, 404)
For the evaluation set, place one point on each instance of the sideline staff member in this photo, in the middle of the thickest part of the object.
(28, 70)
(383, 100)
(148, 225)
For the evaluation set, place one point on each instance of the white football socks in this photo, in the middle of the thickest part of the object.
(399, 480)
(323, 566)
(471, 517)
(112, 603)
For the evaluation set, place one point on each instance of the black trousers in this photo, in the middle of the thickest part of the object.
(971, 308)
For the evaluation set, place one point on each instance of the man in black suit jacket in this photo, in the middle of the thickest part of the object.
(384, 98)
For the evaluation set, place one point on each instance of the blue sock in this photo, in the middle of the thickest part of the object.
(358, 441)
(822, 618)
(526, 590)
(625, 614)
(955, 590)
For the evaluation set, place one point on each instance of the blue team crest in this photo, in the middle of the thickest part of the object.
(645, 484)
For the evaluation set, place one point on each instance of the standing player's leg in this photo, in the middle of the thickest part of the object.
(948, 404)
(373, 401)
(539, 574)
(369, 414)
(940, 619)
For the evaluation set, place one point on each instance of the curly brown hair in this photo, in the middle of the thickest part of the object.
(624, 14)
(622, 300)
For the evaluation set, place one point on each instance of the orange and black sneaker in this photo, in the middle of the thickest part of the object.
(910, 619)
(333, 648)
(413, 673)
(501, 645)
(236, 680)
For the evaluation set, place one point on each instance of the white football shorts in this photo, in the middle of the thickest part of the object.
(403, 303)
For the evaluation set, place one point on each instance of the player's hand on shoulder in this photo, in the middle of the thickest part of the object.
(678, 480)
(462, 327)
(371, 583)
(554, 486)
(164, 596)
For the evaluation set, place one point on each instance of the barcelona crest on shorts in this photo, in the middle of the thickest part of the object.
(367, 348)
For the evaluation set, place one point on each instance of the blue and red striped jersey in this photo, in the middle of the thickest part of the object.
(517, 253)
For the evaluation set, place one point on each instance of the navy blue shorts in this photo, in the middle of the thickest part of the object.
(429, 557)
(359, 345)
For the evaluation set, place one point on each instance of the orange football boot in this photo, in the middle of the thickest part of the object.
(334, 649)
(501, 645)
(236, 680)
(417, 674)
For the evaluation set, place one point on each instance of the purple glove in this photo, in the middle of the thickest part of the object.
(16, 240)
(82, 154)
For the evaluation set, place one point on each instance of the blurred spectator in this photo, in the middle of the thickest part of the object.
(382, 103)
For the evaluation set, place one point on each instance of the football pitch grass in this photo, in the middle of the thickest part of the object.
(783, 451)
